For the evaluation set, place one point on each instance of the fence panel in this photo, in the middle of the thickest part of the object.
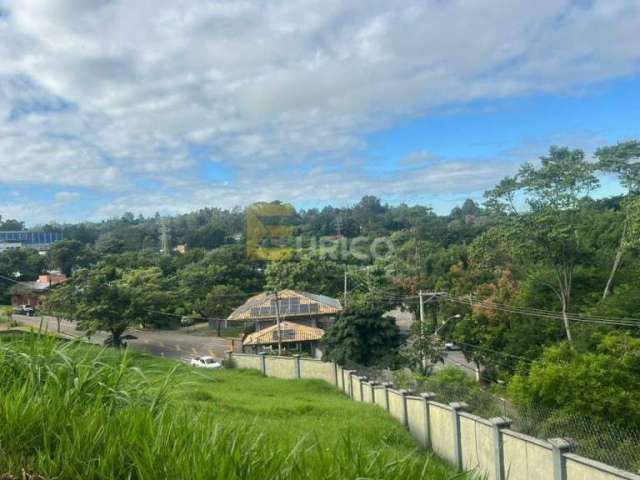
(280, 367)
(526, 458)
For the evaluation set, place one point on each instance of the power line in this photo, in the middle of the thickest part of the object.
(543, 314)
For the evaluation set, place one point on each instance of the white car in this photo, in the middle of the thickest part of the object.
(205, 362)
(452, 347)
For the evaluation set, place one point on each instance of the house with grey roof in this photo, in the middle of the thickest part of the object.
(310, 309)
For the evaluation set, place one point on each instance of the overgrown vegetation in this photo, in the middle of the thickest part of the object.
(543, 261)
(74, 411)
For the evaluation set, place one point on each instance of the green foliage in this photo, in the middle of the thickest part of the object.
(62, 406)
(363, 335)
(101, 299)
(547, 236)
(22, 264)
(69, 254)
(308, 273)
(423, 349)
(604, 384)
(454, 385)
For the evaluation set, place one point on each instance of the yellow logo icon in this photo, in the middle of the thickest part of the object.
(267, 231)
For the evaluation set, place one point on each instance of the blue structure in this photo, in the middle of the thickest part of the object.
(31, 239)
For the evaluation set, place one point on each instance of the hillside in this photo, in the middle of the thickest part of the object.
(74, 411)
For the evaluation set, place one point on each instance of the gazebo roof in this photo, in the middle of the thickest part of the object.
(290, 332)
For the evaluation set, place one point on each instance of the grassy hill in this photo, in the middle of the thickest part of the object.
(75, 411)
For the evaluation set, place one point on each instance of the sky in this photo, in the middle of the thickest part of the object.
(164, 106)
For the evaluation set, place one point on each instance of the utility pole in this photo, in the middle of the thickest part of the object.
(278, 323)
(422, 332)
(345, 286)
(164, 238)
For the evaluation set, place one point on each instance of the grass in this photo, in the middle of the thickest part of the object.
(69, 410)
(5, 313)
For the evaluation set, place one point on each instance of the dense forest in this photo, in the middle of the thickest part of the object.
(542, 277)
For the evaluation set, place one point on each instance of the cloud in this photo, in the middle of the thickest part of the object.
(115, 96)
(65, 198)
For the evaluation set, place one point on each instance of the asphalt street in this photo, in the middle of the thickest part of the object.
(170, 344)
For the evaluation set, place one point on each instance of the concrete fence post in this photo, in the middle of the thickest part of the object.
(386, 386)
(405, 413)
(263, 363)
(498, 424)
(560, 446)
(297, 373)
(351, 374)
(426, 396)
(345, 389)
(361, 382)
(456, 408)
(373, 391)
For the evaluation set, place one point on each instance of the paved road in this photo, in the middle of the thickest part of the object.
(456, 359)
(169, 344)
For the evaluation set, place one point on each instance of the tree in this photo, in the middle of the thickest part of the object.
(309, 273)
(547, 235)
(363, 335)
(219, 303)
(22, 264)
(623, 161)
(68, 254)
(102, 301)
(423, 349)
(11, 225)
(154, 302)
(59, 303)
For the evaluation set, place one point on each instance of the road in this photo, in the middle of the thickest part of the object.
(170, 344)
(456, 359)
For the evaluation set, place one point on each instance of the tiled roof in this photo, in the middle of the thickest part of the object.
(291, 332)
(292, 304)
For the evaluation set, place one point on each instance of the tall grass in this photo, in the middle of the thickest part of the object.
(77, 412)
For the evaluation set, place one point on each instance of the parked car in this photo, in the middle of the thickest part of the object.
(25, 310)
(450, 346)
(205, 362)
(187, 321)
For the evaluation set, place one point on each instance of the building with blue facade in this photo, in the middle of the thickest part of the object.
(26, 239)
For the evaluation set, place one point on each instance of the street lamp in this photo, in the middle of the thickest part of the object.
(455, 317)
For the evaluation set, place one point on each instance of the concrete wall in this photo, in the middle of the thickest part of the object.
(441, 427)
(339, 378)
(380, 396)
(280, 367)
(367, 392)
(357, 390)
(580, 468)
(396, 404)
(417, 419)
(526, 458)
(478, 445)
(311, 368)
(466, 441)
(246, 361)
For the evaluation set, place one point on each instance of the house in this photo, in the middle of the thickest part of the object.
(182, 248)
(32, 293)
(302, 308)
(294, 338)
